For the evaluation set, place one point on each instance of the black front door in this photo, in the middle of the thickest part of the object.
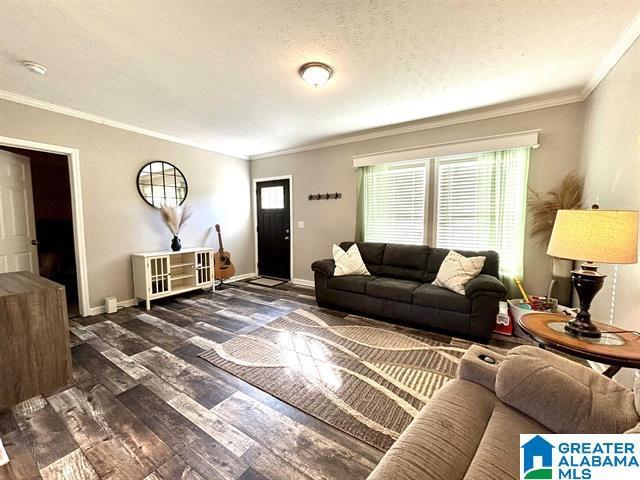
(274, 229)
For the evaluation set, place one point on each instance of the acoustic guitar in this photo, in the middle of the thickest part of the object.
(224, 269)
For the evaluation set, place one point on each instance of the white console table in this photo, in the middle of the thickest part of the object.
(164, 273)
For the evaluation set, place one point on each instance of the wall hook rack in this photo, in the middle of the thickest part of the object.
(325, 196)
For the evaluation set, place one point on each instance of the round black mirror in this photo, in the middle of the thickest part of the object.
(161, 183)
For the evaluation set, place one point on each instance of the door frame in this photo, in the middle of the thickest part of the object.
(254, 197)
(73, 156)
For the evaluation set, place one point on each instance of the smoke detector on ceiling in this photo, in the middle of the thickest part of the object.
(35, 67)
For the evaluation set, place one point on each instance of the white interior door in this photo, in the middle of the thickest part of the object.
(17, 218)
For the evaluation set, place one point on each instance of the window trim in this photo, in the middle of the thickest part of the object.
(490, 143)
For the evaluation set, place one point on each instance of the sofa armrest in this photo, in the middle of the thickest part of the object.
(325, 267)
(476, 366)
(562, 395)
(484, 284)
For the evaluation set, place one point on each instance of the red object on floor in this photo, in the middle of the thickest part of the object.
(504, 324)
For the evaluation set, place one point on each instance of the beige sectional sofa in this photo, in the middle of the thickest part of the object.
(470, 429)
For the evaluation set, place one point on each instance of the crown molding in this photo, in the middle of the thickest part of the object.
(628, 37)
(32, 102)
(429, 124)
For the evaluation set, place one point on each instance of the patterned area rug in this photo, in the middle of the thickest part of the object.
(361, 376)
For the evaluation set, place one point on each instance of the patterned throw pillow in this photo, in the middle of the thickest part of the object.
(349, 262)
(456, 271)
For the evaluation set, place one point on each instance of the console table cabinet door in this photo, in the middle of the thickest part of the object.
(160, 273)
(35, 355)
(203, 267)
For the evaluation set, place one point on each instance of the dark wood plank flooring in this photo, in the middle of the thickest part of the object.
(143, 405)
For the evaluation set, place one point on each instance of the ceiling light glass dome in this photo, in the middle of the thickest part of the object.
(316, 73)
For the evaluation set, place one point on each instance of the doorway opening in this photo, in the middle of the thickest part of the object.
(37, 199)
(273, 227)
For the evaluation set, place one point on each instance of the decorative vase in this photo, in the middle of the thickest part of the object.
(175, 244)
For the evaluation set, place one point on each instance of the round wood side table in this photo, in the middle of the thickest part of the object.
(615, 348)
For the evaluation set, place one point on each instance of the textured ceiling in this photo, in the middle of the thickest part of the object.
(224, 73)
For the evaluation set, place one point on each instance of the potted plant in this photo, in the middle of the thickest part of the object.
(175, 217)
(544, 208)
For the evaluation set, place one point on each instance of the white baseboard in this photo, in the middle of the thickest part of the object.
(134, 301)
(244, 276)
(103, 309)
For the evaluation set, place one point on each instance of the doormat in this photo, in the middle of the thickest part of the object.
(365, 378)
(267, 282)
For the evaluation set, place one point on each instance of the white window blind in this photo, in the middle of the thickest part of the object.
(394, 203)
(481, 204)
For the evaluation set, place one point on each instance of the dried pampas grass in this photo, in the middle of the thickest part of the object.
(544, 207)
(175, 217)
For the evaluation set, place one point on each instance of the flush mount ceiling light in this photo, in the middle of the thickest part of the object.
(35, 67)
(315, 73)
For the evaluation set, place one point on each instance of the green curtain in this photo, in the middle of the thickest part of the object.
(360, 213)
(506, 172)
(365, 179)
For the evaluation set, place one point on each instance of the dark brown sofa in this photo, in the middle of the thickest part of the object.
(399, 288)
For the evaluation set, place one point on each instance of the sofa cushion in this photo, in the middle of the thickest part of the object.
(437, 256)
(350, 283)
(372, 253)
(413, 257)
(530, 379)
(463, 432)
(392, 289)
(429, 295)
(498, 455)
(400, 273)
(407, 262)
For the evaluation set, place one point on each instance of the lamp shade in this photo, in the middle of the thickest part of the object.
(603, 236)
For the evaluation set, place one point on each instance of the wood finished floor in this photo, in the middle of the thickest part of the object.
(143, 405)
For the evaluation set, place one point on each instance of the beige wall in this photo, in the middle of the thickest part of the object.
(117, 221)
(330, 169)
(611, 163)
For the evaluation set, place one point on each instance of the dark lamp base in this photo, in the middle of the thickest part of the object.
(582, 329)
(587, 281)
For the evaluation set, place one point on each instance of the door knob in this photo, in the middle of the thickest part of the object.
(34, 242)
(286, 238)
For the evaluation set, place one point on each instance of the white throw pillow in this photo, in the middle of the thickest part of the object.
(456, 271)
(349, 262)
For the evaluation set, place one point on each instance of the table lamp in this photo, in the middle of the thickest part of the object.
(605, 236)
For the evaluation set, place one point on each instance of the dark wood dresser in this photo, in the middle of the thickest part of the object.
(35, 356)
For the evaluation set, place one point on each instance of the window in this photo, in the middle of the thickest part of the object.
(271, 198)
(393, 203)
(481, 204)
